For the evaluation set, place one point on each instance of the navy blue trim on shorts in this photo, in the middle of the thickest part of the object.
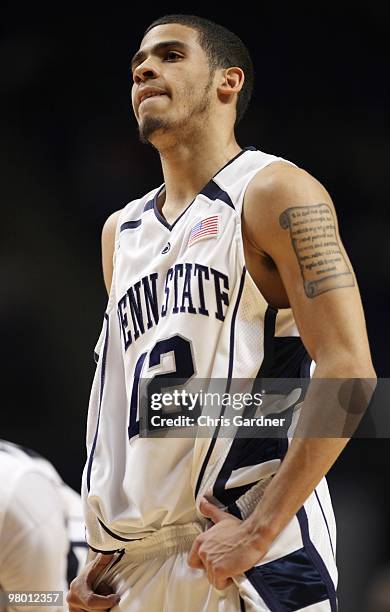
(103, 552)
(229, 378)
(315, 556)
(289, 583)
(112, 534)
(102, 380)
(326, 522)
(255, 578)
(234, 510)
(119, 557)
(274, 591)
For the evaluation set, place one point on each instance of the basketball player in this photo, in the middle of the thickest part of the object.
(217, 273)
(42, 540)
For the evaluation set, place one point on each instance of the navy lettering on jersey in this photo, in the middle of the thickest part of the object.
(151, 297)
(220, 296)
(205, 271)
(186, 295)
(178, 272)
(126, 335)
(136, 310)
(168, 277)
(184, 292)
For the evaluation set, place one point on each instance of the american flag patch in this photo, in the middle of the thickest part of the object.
(205, 228)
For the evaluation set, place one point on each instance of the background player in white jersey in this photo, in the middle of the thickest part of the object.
(42, 540)
(214, 274)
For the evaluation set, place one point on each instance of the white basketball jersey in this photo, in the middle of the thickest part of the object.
(181, 303)
(16, 463)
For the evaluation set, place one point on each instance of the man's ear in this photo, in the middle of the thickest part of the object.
(232, 80)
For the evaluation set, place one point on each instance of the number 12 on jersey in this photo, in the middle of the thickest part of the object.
(180, 350)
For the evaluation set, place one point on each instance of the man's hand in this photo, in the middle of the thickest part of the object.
(227, 549)
(81, 595)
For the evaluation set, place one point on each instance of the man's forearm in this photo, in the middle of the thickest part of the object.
(305, 464)
(312, 451)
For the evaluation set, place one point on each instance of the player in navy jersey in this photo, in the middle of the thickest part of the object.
(232, 268)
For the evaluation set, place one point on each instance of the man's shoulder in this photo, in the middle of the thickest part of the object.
(109, 227)
(282, 184)
(274, 192)
(280, 176)
(134, 207)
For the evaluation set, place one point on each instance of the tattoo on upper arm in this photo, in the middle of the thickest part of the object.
(317, 247)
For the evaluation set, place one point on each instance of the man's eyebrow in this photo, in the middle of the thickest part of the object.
(140, 55)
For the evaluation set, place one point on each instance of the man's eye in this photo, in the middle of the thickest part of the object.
(172, 56)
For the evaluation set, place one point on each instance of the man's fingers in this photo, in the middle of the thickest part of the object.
(222, 583)
(98, 565)
(106, 604)
(217, 575)
(195, 563)
(91, 601)
(82, 597)
(193, 559)
(101, 602)
(104, 589)
(211, 511)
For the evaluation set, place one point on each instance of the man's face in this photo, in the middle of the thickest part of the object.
(171, 81)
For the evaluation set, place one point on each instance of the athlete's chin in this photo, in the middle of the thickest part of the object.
(150, 127)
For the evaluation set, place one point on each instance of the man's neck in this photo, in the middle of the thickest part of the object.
(189, 167)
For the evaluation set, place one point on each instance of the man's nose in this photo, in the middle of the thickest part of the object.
(146, 70)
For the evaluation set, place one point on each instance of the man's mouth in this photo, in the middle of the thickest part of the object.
(148, 96)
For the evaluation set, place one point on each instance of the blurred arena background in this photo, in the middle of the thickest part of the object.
(70, 156)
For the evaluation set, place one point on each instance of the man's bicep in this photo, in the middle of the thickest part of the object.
(312, 235)
(300, 233)
(321, 286)
(108, 246)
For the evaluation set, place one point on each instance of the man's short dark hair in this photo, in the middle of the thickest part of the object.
(223, 49)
